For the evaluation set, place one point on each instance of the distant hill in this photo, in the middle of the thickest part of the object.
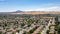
(19, 11)
(37, 12)
(32, 12)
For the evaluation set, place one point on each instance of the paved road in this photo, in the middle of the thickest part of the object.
(38, 30)
(47, 27)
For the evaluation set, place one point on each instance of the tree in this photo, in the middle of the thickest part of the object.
(0, 32)
(48, 31)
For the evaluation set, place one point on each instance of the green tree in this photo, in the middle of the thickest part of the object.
(48, 31)
(1, 32)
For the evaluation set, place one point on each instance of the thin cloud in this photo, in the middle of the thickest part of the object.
(49, 9)
(55, 8)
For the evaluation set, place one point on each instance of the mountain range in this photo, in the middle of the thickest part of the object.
(32, 12)
(38, 12)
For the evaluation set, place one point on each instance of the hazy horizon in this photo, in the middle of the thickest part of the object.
(29, 5)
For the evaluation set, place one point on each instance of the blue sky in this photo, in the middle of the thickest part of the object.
(29, 5)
